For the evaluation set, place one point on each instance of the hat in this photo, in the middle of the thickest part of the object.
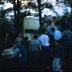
(7, 52)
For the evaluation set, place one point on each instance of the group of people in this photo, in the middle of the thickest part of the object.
(41, 51)
(60, 33)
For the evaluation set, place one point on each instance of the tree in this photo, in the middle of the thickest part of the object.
(16, 7)
(39, 8)
(31, 4)
(69, 3)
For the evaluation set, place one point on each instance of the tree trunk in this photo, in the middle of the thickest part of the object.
(40, 17)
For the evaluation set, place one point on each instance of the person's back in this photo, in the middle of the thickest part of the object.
(57, 35)
(46, 49)
(7, 61)
(67, 42)
(34, 43)
(49, 28)
(44, 40)
(67, 48)
(34, 50)
(15, 50)
(67, 35)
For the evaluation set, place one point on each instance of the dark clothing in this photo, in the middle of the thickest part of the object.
(45, 56)
(57, 52)
(52, 41)
(7, 65)
(35, 61)
(10, 39)
(67, 44)
(23, 64)
(26, 44)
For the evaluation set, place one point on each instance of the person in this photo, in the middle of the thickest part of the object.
(35, 44)
(26, 42)
(19, 40)
(67, 48)
(6, 61)
(44, 39)
(56, 33)
(26, 49)
(15, 50)
(67, 41)
(35, 47)
(51, 25)
(16, 54)
(8, 53)
(19, 57)
(23, 60)
(45, 45)
(57, 51)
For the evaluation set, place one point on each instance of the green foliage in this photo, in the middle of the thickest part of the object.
(33, 5)
(48, 5)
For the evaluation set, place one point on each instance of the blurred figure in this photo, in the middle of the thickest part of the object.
(46, 50)
(57, 57)
(35, 47)
(6, 61)
(26, 45)
(56, 33)
(67, 43)
(19, 40)
(15, 50)
(51, 25)
(23, 64)
(26, 42)
(19, 57)
(16, 53)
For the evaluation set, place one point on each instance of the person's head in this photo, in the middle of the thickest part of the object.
(53, 29)
(35, 37)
